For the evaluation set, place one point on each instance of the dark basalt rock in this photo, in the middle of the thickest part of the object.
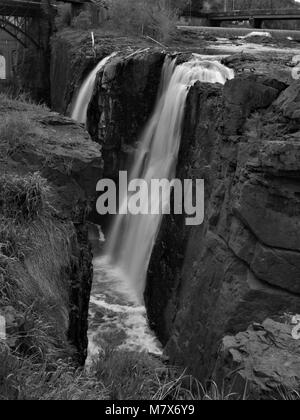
(289, 102)
(242, 265)
(262, 361)
(243, 96)
(122, 102)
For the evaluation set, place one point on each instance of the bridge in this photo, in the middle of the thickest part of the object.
(25, 23)
(16, 15)
(256, 17)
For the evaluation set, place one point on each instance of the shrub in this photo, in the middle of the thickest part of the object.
(64, 17)
(128, 16)
(83, 21)
(163, 21)
(141, 17)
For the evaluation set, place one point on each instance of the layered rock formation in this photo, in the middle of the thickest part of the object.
(242, 265)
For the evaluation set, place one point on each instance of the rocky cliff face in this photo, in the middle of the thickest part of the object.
(242, 265)
(123, 100)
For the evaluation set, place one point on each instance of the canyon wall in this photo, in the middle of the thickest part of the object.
(241, 267)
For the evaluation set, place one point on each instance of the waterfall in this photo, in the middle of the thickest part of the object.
(132, 238)
(85, 93)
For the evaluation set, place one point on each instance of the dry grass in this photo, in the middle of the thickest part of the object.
(128, 375)
(23, 198)
(25, 379)
(177, 386)
(20, 102)
(17, 129)
(34, 254)
(289, 395)
(14, 129)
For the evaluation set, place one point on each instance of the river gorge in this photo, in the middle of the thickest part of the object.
(211, 285)
(218, 299)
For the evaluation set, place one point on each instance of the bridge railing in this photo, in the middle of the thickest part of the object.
(242, 5)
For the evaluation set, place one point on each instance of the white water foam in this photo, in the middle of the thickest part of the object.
(115, 319)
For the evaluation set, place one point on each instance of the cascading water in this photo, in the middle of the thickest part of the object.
(85, 93)
(132, 237)
(117, 314)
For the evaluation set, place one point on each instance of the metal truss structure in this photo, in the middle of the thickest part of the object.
(15, 19)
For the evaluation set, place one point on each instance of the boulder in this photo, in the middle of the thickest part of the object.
(289, 101)
(263, 361)
(242, 96)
